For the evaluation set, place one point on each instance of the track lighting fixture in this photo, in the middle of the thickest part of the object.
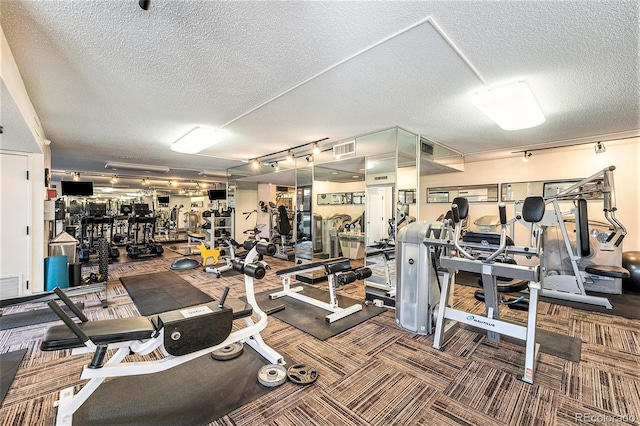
(114, 179)
(146, 181)
(75, 176)
(275, 166)
(290, 156)
(526, 156)
(172, 183)
(309, 159)
(600, 148)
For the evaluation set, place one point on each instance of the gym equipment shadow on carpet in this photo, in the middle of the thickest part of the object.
(9, 363)
(162, 292)
(625, 305)
(36, 316)
(555, 344)
(195, 393)
(309, 318)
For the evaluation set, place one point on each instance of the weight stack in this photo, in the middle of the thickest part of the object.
(103, 259)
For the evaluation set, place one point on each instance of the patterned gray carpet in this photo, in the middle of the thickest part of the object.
(376, 373)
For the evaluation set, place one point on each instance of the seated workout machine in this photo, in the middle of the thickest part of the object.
(572, 265)
(339, 273)
(181, 336)
(281, 230)
(491, 263)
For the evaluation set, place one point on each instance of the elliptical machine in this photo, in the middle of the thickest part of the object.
(141, 216)
(91, 224)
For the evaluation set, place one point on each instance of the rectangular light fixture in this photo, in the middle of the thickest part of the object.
(511, 106)
(198, 139)
(114, 165)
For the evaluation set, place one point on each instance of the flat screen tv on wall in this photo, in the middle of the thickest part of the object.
(217, 194)
(82, 189)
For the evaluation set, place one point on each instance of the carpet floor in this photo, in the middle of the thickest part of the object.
(376, 373)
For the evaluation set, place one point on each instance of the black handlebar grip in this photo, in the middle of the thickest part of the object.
(264, 247)
(238, 265)
(332, 268)
(455, 213)
(255, 270)
(346, 277)
(503, 214)
(362, 273)
(619, 240)
(223, 298)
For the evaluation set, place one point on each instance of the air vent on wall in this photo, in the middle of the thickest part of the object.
(344, 149)
(426, 147)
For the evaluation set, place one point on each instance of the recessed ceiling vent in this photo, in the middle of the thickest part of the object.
(426, 147)
(344, 149)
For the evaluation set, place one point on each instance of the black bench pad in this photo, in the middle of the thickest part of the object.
(485, 238)
(104, 331)
(121, 329)
(607, 271)
(305, 266)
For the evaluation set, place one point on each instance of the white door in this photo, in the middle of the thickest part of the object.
(376, 228)
(14, 222)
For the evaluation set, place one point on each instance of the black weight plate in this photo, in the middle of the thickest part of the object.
(302, 374)
(228, 352)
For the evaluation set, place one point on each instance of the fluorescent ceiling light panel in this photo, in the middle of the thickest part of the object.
(114, 165)
(511, 106)
(198, 139)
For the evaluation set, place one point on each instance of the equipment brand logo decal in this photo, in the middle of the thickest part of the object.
(480, 321)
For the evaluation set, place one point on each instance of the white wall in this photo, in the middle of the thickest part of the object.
(37, 162)
(579, 162)
(326, 211)
(246, 201)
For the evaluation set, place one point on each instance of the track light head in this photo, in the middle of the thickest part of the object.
(316, 149)
(600, 148)
(290, 157)
(256, 163)
(526, 156)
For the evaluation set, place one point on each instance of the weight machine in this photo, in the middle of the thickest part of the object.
(181, 335)
(339, 272)
(572, 266)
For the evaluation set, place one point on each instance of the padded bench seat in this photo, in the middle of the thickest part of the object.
(100, 332)
(118, 330)
(607, 271)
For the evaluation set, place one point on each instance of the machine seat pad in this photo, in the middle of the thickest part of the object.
(240, 308)
(488, 237)
(607, 271)
(100, 332)
(305, 266)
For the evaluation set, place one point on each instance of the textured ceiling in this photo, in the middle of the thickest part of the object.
(112, 82)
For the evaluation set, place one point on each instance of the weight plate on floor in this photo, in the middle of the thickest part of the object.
(272, 375)
(302, 374)
(228, 352)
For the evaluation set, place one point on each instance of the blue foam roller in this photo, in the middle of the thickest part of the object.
(56, 272)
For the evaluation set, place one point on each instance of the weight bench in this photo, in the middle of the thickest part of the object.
(181, 335)
(338, 271)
